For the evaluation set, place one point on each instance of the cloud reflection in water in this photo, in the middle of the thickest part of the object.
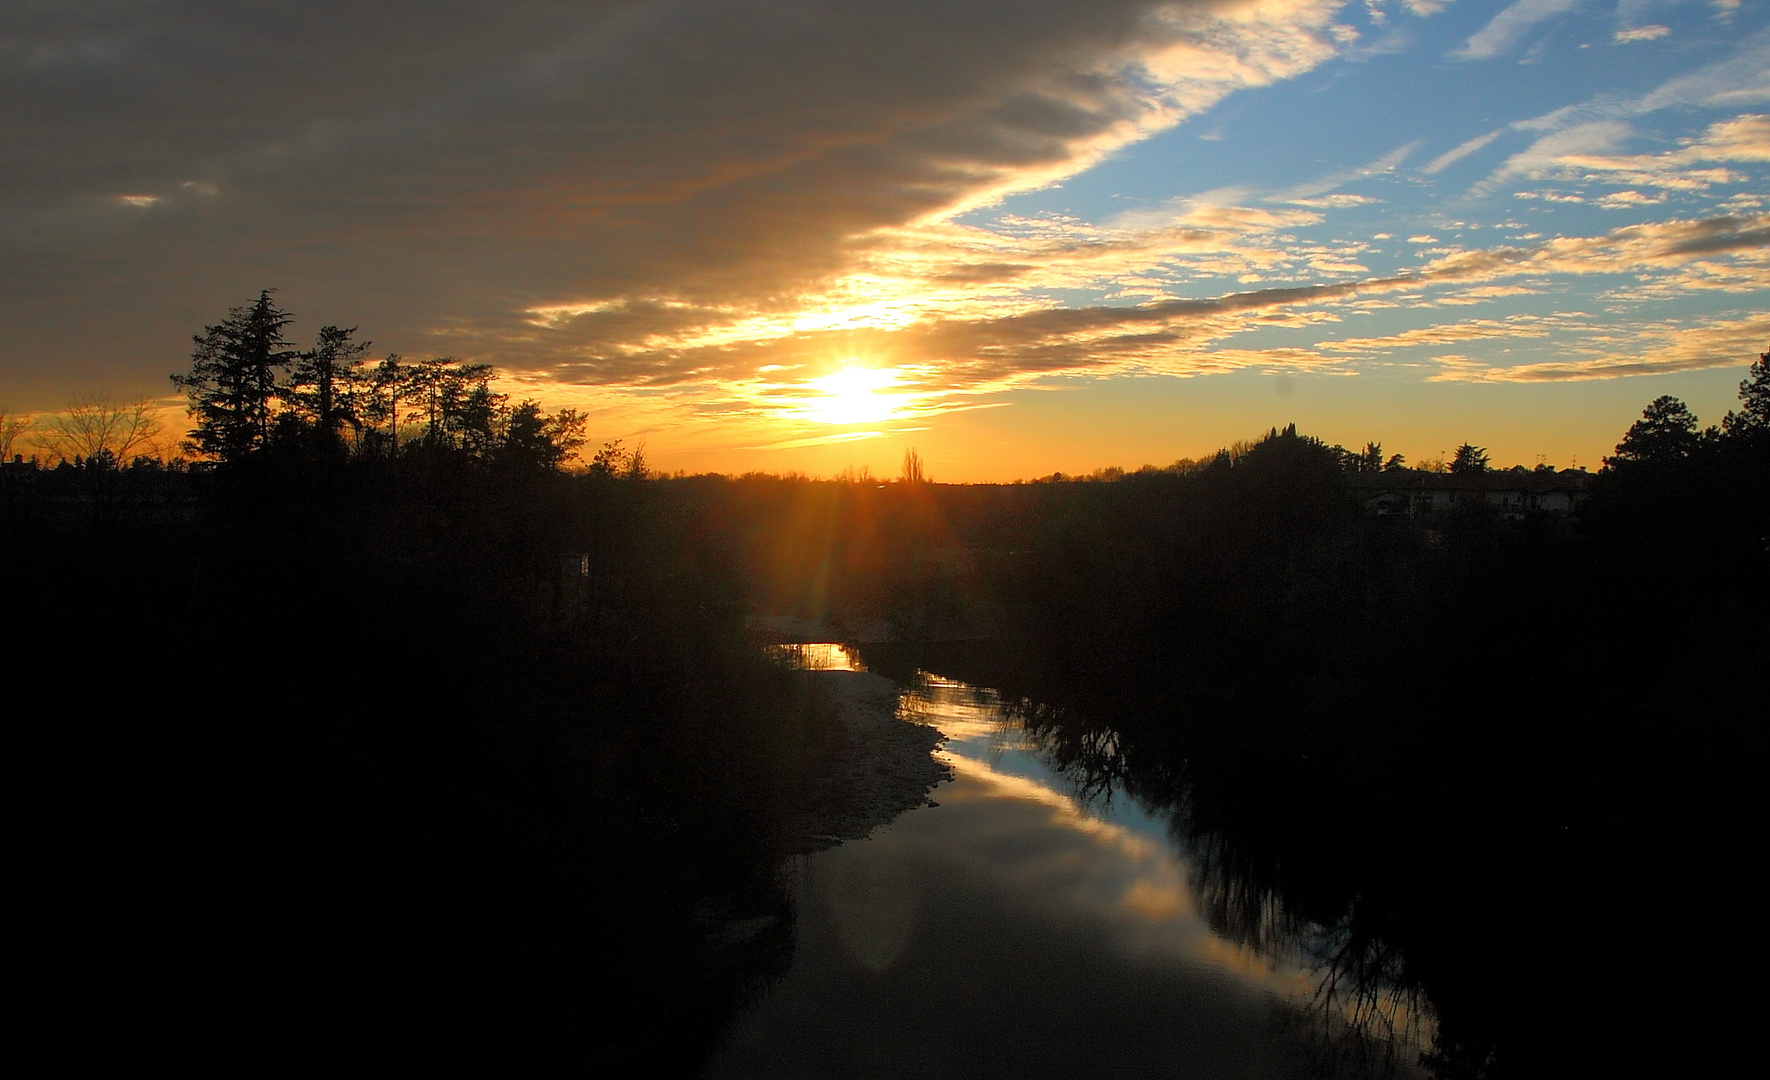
(1011, 931)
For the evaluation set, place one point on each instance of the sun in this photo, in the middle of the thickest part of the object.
(854, 395)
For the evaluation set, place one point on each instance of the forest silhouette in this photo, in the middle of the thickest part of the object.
(377, 722)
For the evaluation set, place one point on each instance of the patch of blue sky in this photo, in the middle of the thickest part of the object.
(1398, 106)
(1482, 128)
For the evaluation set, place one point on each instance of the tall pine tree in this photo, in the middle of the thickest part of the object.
(233, 379)
(325, 386)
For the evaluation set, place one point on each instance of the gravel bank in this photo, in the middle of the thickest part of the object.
(879, 766)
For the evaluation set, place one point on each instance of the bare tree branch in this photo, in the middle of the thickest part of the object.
(12, 427)
(98, 427)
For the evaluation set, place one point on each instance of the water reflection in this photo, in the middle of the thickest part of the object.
(1023, 926)
(818, 656)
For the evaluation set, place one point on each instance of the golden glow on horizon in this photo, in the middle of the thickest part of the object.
(854, 395)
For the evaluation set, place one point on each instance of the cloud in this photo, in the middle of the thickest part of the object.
(1515, 326)
(1663, 248)
(1461, 151)
(725, 378)
(442, 175)
(1578, 154)
(1741, 79)
(1483, 293)
(1655, 350)
(947, 353)
(1628, 200)
(1550, 152)
(1651, 32)
(682, 213)
(816, 440)
(1503, 33)
(1321, 185)
(1336, 202)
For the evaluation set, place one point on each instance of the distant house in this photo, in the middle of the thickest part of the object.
(1512, 492)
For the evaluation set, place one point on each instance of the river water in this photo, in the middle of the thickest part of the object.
(1014, 930)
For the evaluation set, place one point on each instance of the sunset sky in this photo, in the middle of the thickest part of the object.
(1021, 236)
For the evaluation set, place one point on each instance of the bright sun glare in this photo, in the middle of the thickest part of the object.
(853, 396)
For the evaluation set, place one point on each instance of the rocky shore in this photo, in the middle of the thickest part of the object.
(878, 765)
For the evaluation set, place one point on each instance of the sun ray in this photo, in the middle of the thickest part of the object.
(854, 395)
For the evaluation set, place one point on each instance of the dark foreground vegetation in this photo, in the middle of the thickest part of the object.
(343, 763)
(338, 756)
(1507, 765)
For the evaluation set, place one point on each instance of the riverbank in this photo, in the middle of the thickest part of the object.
(875, 767)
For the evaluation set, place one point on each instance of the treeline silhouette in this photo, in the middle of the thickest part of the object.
(340, 756)
(253, 395)
(342, 752)
(1505, 765)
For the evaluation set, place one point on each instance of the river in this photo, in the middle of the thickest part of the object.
(1016, 929)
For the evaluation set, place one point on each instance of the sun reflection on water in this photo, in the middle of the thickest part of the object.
(819, 656)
